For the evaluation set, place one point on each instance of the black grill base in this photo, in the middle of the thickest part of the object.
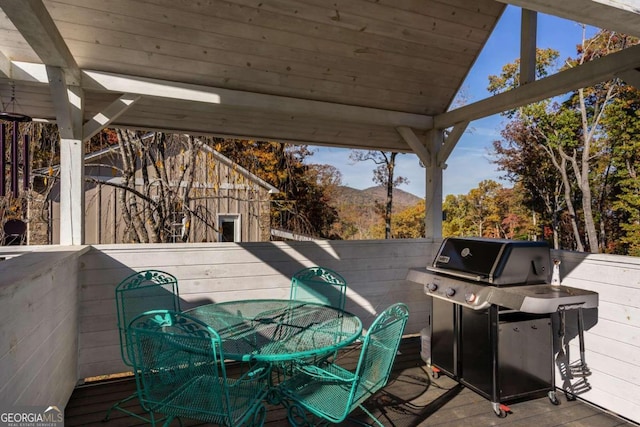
(467, 344)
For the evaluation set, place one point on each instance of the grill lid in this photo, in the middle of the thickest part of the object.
(494, 261)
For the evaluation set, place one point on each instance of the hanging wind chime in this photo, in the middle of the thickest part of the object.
(8, 114)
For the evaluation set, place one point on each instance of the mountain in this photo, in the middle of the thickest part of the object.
(357, 212)
(369, 196)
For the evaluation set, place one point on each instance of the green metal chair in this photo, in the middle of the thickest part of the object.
(332, 392)
(319, 284)
(180, 372)
(136, 294)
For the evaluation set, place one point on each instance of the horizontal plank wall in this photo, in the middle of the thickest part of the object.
(375, 271)
(39, 318)
(612, 336)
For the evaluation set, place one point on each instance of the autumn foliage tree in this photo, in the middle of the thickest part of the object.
(489, 210)
(410, 223)
(622, 128)
(304, 206)
(560, 149)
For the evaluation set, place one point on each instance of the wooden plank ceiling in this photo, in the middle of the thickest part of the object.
(341, 72)
(408, 56)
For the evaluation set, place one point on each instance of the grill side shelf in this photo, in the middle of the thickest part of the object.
(540, 299)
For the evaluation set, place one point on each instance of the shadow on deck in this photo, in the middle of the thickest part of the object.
(411, 398)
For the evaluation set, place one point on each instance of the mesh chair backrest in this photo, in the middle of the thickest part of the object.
(173, 354)
(319, 284)
(141, 292)
(379, 349)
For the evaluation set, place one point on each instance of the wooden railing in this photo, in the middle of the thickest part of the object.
(39, 321)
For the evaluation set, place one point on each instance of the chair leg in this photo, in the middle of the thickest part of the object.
(118, 407)
(169, 420)
(366, 411)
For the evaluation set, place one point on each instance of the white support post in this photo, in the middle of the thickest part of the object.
(69, 104)
(433, 217)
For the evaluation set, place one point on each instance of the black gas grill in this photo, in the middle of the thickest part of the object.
(491, 316)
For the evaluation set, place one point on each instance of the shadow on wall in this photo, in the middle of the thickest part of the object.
(574, 370)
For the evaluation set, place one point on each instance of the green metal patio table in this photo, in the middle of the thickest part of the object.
(273, 330)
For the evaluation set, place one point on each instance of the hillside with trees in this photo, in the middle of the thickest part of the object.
(361, 212)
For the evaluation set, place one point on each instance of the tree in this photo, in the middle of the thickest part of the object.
(592, 103)
(457, 222)
(409, 223)
(383, 175)
(489, 210)
(622, 127)
(148, 207)
(304, 205)
(527, 165)
(570, 133)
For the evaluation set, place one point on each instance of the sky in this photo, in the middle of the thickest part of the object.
(470, 162)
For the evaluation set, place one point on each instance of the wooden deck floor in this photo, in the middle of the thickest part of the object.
(411, 398)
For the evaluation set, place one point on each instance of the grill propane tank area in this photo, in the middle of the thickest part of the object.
(490, 325)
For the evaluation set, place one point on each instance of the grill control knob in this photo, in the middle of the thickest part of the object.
(470, 297)
(450, 292)
(432, 287)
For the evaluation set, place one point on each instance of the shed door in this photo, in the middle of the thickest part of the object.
(229, 228)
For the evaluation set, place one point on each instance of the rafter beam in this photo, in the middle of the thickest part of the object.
(617, 15)
(528, 34)
(108, 115)
(416, 145)
(450, 142)
(590, 73)
(5, 66)
(631, 77)
(33, 21)
(98, 80)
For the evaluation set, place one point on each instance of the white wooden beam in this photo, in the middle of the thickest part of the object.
(590, 73)
(64, 102)
(98, 80)
(71, 191)
(528, 33)
(104, 118)
(68, 102)
(450, 142)
(433, 199)
(32, 20)
(631, 77)
(5, 66)
(617, 15)
(416, 145)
